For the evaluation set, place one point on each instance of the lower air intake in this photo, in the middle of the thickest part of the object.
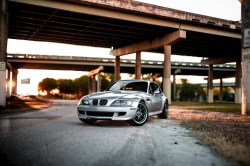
(104, 114)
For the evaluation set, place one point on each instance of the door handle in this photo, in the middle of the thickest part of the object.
(148, 99)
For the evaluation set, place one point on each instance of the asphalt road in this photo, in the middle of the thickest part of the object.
(55, 136)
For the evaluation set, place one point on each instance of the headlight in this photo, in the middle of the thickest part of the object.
(85, 102)
(122, 103)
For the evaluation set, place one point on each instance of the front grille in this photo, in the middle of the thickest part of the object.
(103, 102)
(91, 113)
(95, 102)
(82, 112)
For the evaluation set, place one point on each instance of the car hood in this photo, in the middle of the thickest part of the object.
(111, 95)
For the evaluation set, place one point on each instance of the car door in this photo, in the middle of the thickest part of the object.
(158, 98)
(154, 99)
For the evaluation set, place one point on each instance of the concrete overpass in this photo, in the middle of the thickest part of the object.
(125, 26)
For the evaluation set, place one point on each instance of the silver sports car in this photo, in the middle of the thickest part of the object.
(131, 100)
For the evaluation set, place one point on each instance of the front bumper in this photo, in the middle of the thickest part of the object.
(130, 112)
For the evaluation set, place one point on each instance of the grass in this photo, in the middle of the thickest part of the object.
(219, 126)
(204, 106)
(17, 105)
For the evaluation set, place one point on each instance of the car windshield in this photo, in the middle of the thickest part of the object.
(128, 85)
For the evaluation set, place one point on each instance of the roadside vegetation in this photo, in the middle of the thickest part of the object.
(219, 126)
(18, 105)
(73, 89)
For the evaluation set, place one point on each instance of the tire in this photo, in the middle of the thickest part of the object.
(89, 121)
(164, 114)
(141, 115)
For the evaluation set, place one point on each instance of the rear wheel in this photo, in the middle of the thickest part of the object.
(141, 115)
(164, 114)
(88, 120)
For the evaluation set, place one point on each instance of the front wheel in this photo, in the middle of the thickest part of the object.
(88, 120)
(141, 115)
(164, 114)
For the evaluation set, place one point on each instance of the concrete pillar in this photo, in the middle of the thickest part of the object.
(167, 73)
(138, 65)
(117, 68)
(210, 80)
(14, 80)
(245, 57)
(90, 85)
(237, 96)
(3, 49)
(93, 84)
(207, 88)
(174, 88)
(221, 89)
(99, 82)
(151, 77)
(8, 83)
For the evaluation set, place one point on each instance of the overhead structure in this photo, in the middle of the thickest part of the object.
(92, 80)
(117, 24)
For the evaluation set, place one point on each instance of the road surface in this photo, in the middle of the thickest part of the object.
(55, 136)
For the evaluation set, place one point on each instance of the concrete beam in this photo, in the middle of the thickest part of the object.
(216, 78)
(148, 14)
(168, 39)
(13, 69)
(220, 60)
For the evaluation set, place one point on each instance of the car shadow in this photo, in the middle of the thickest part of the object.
(112, 123)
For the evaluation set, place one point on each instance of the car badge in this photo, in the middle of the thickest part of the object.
(100, 97)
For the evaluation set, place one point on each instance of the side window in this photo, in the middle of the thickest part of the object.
(152, 87)
(157, 86)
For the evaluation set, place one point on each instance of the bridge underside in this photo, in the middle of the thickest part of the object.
(125, 68)
(30, 22)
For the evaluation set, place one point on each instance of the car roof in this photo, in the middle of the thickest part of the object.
(134, 80)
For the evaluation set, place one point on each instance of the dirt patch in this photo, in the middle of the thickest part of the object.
(227, 133)
(18, 105)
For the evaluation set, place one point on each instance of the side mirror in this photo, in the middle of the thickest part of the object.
(157, 91)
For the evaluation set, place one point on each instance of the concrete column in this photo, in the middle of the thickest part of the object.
(167, 73)
(117, 68)
(210, 80)
(174, 88)
(151, 77)
(221, 89)
(207, 88)
(246, 82)
(237, 96)
(90, 85)
(93, 84)
(8, 83)
(245, 57)
(3, 49)
(99, 82)
(138, 65)
(14, 80)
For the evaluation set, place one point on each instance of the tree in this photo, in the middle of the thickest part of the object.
(106, 80)
(47, 85)
(66, 86)
(81, 86)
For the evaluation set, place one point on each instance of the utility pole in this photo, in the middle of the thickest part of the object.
(245, 17)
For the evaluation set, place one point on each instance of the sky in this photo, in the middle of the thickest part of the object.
(225, 9)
